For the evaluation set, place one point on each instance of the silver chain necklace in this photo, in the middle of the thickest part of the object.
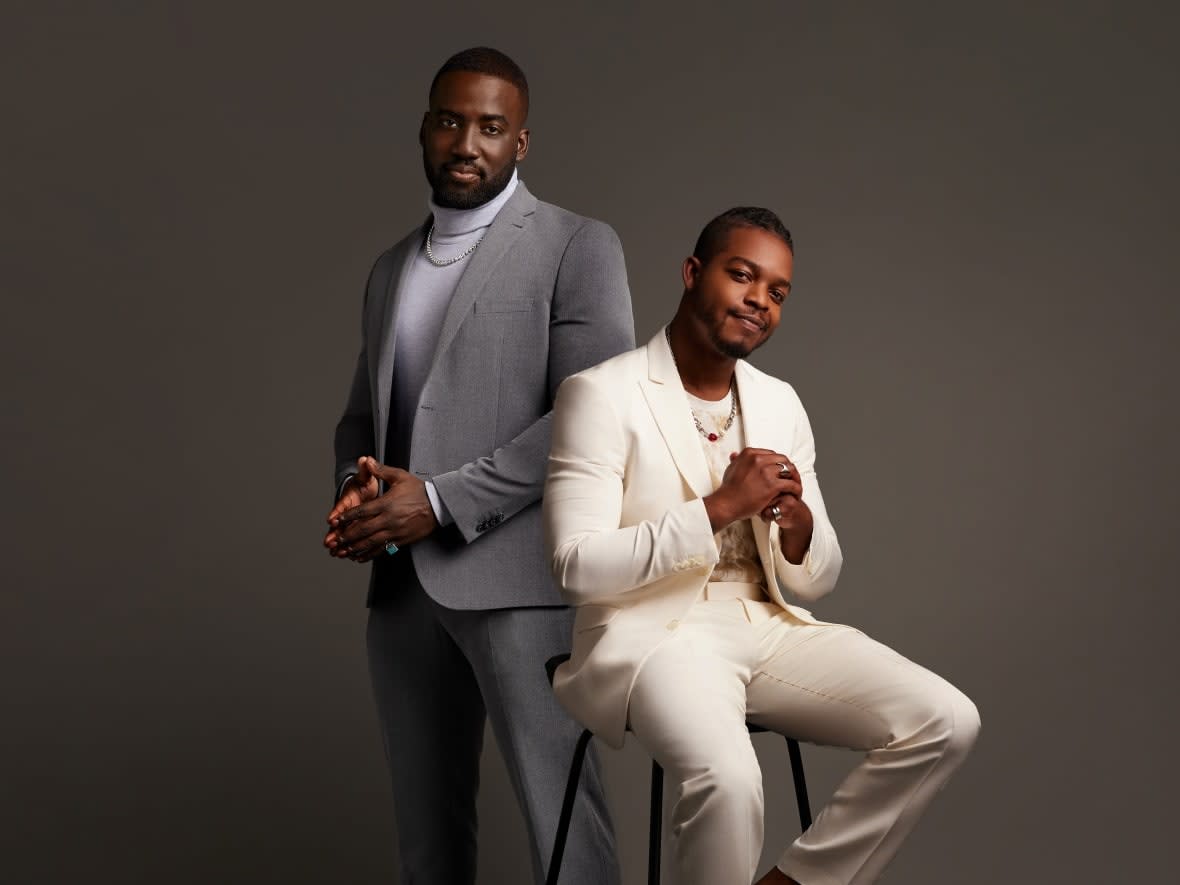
(443, 262)
(711, 437)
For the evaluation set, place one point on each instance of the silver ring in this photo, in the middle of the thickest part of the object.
(391, 548)
(775, 512)
(784, 471)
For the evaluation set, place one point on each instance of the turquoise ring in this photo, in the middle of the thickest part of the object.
(391, 548)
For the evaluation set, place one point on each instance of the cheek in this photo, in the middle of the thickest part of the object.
(722, 292)
(432, 149)
(734, 295)
(500, 153)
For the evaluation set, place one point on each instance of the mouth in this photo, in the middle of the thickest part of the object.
(750, 322)
(464, 174)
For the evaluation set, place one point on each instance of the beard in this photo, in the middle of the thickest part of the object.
(736, 350)
(449, 196)
(732, 349)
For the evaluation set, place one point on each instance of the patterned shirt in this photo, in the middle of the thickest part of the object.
(739, 560)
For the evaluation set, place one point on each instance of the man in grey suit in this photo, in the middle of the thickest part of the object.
(469, 325)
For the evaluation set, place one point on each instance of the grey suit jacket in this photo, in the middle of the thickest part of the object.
(543, 296)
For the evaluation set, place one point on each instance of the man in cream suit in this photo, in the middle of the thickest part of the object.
(469, 325)
(683, 513)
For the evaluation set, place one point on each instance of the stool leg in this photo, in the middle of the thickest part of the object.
(655, 828)
(800, 783)
(567, 808)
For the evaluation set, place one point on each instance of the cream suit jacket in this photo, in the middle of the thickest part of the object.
(625, 524)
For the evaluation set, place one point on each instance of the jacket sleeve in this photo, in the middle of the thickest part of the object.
(820, 568)
(590, 321)
(354, 430)
(590, 553)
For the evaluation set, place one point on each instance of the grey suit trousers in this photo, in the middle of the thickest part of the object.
(437, 673)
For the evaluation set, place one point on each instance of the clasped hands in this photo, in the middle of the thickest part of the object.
(363, 522)
(756, 484)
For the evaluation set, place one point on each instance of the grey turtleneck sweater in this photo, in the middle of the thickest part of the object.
(422, 305)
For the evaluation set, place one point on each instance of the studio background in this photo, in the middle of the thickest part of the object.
(983, 329)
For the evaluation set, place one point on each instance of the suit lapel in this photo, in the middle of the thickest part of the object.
(665, 397)
(381, 384)
(758, 421)
(505, 230)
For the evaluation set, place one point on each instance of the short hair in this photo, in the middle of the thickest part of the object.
(714, 234)
(485, 60)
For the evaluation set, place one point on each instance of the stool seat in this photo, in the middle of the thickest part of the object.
(657, 795)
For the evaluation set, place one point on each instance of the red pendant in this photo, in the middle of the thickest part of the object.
(712, 437)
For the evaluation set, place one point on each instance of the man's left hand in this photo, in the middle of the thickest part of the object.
(402, 516)
(793, 518)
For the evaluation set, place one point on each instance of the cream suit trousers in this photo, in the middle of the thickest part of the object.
(733, 659)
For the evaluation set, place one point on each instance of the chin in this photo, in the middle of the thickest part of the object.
(737, 350)
(450, 198)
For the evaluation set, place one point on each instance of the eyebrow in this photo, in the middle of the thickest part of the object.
(757, 268)
(484, 118)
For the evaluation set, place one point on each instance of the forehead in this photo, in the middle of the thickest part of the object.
(475, 94)
(759, 246)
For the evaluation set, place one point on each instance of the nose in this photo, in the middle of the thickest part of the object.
(465, 145)
(758, 296)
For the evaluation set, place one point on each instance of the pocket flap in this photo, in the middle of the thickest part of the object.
(503, 305)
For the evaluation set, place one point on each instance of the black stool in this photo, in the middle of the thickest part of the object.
(655, 835)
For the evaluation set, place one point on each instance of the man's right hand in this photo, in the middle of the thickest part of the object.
(751, 483)
(360, 487)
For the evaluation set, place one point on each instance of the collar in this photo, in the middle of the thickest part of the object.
(456, 222)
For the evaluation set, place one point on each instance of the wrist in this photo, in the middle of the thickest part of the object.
(345, 485)
(719, 511)
(795, 542)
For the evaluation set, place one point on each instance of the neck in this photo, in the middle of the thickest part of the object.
(703, 371)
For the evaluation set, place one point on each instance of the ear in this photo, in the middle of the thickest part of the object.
(690, 272)
(522, 145)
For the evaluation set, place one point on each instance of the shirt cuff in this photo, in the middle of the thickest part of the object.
(441, 513)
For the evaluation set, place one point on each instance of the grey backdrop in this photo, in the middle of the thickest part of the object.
(983, 329)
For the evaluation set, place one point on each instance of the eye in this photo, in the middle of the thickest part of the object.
(446, 122)
(492, 130)
(778, 295)
(740, 275)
